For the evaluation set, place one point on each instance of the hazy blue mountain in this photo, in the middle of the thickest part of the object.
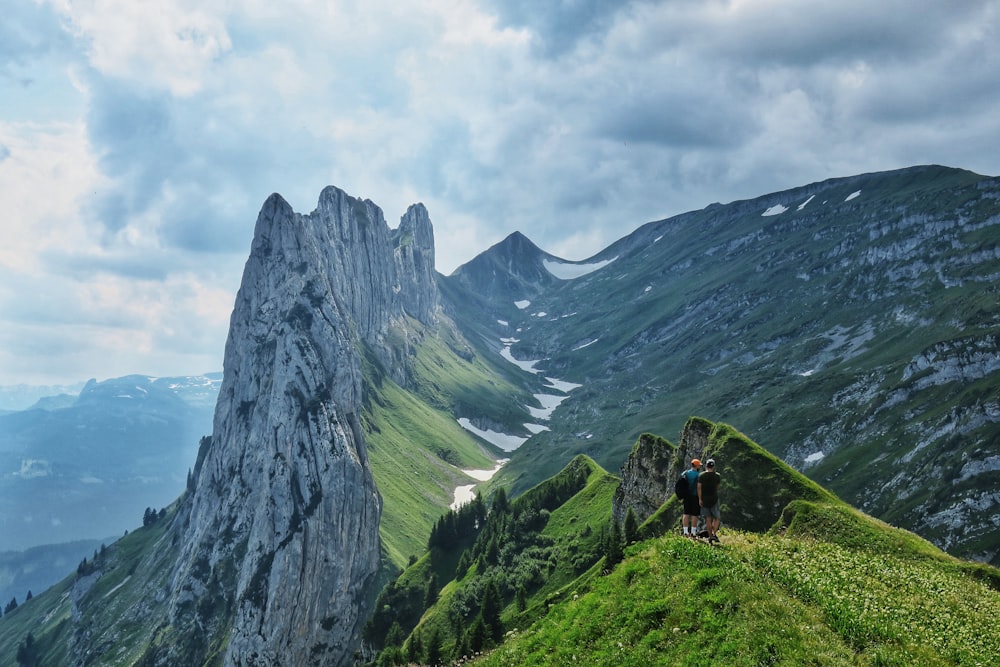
(86, 468)
(23, 396)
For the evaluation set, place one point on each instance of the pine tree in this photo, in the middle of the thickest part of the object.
(613, 553)
(500, 503)
(464, 563)
(477, 635)
(522, 598)
(434, 648)
(415, 648)
(431, 591)
(491, 608)
(631, 526)
(395, 635)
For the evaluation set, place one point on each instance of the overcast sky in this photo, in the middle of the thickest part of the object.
(138, 139)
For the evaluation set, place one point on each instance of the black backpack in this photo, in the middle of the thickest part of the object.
(681, 487)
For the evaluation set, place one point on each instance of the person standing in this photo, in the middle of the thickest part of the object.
(708, 499)
(689, 520)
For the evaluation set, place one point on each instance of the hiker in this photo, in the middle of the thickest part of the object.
(689, 520)
(708, 499)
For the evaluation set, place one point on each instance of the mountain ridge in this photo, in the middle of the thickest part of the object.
(797, 319)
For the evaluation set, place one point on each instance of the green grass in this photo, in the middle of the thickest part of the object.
(765, 600)
(416, 447)
(131, 568)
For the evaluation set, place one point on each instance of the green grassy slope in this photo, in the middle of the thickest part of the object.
(801, 578)
(766, 600)
(416, 447)
(120, 583)
(537, 544)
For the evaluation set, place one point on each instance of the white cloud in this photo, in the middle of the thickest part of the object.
(138, 140)
(165, 44)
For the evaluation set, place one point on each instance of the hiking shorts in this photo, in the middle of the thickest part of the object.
(712, 511)
(691, 506)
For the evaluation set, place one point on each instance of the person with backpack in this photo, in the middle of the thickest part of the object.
(708, 499)
(689, 520)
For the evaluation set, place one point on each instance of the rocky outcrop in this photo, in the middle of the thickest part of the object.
(280, 532)
(645, 480)
(414, 255)
(648, 475)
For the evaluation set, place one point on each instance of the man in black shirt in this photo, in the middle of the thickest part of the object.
(708, 498)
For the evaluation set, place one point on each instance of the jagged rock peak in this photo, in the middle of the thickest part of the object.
(414, 254)
(649, 472)
(283, 495)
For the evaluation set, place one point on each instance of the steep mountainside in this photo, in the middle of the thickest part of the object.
(850, 324)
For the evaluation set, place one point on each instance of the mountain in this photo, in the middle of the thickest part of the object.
(23, 396)
(849, 324)
(84, 467)
(340, 370)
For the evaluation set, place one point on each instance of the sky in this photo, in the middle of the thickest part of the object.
(139, 138)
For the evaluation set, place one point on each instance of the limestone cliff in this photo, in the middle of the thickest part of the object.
(649, 472)
(280, 532)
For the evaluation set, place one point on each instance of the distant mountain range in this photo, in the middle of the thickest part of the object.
(84, 467)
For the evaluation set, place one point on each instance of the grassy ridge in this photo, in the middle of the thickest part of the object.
(801, 578)
(766, 600)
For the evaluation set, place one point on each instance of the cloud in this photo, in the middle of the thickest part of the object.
(138, 142)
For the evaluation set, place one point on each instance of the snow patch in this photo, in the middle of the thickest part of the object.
(508, 443)
(853, 195)
(549, 404)
(569, 271)
(522, 304)
(583, 345)
(523, 365)
(777, 209)
(465, 493)
(562, 385)
(803, 204)
(815, 457)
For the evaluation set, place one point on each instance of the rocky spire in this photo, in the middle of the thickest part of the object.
(283, 501)
(414, 241)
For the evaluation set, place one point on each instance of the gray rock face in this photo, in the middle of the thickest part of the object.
(649, 473)
(283, 506)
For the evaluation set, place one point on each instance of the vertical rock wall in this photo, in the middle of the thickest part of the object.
(281, 540)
